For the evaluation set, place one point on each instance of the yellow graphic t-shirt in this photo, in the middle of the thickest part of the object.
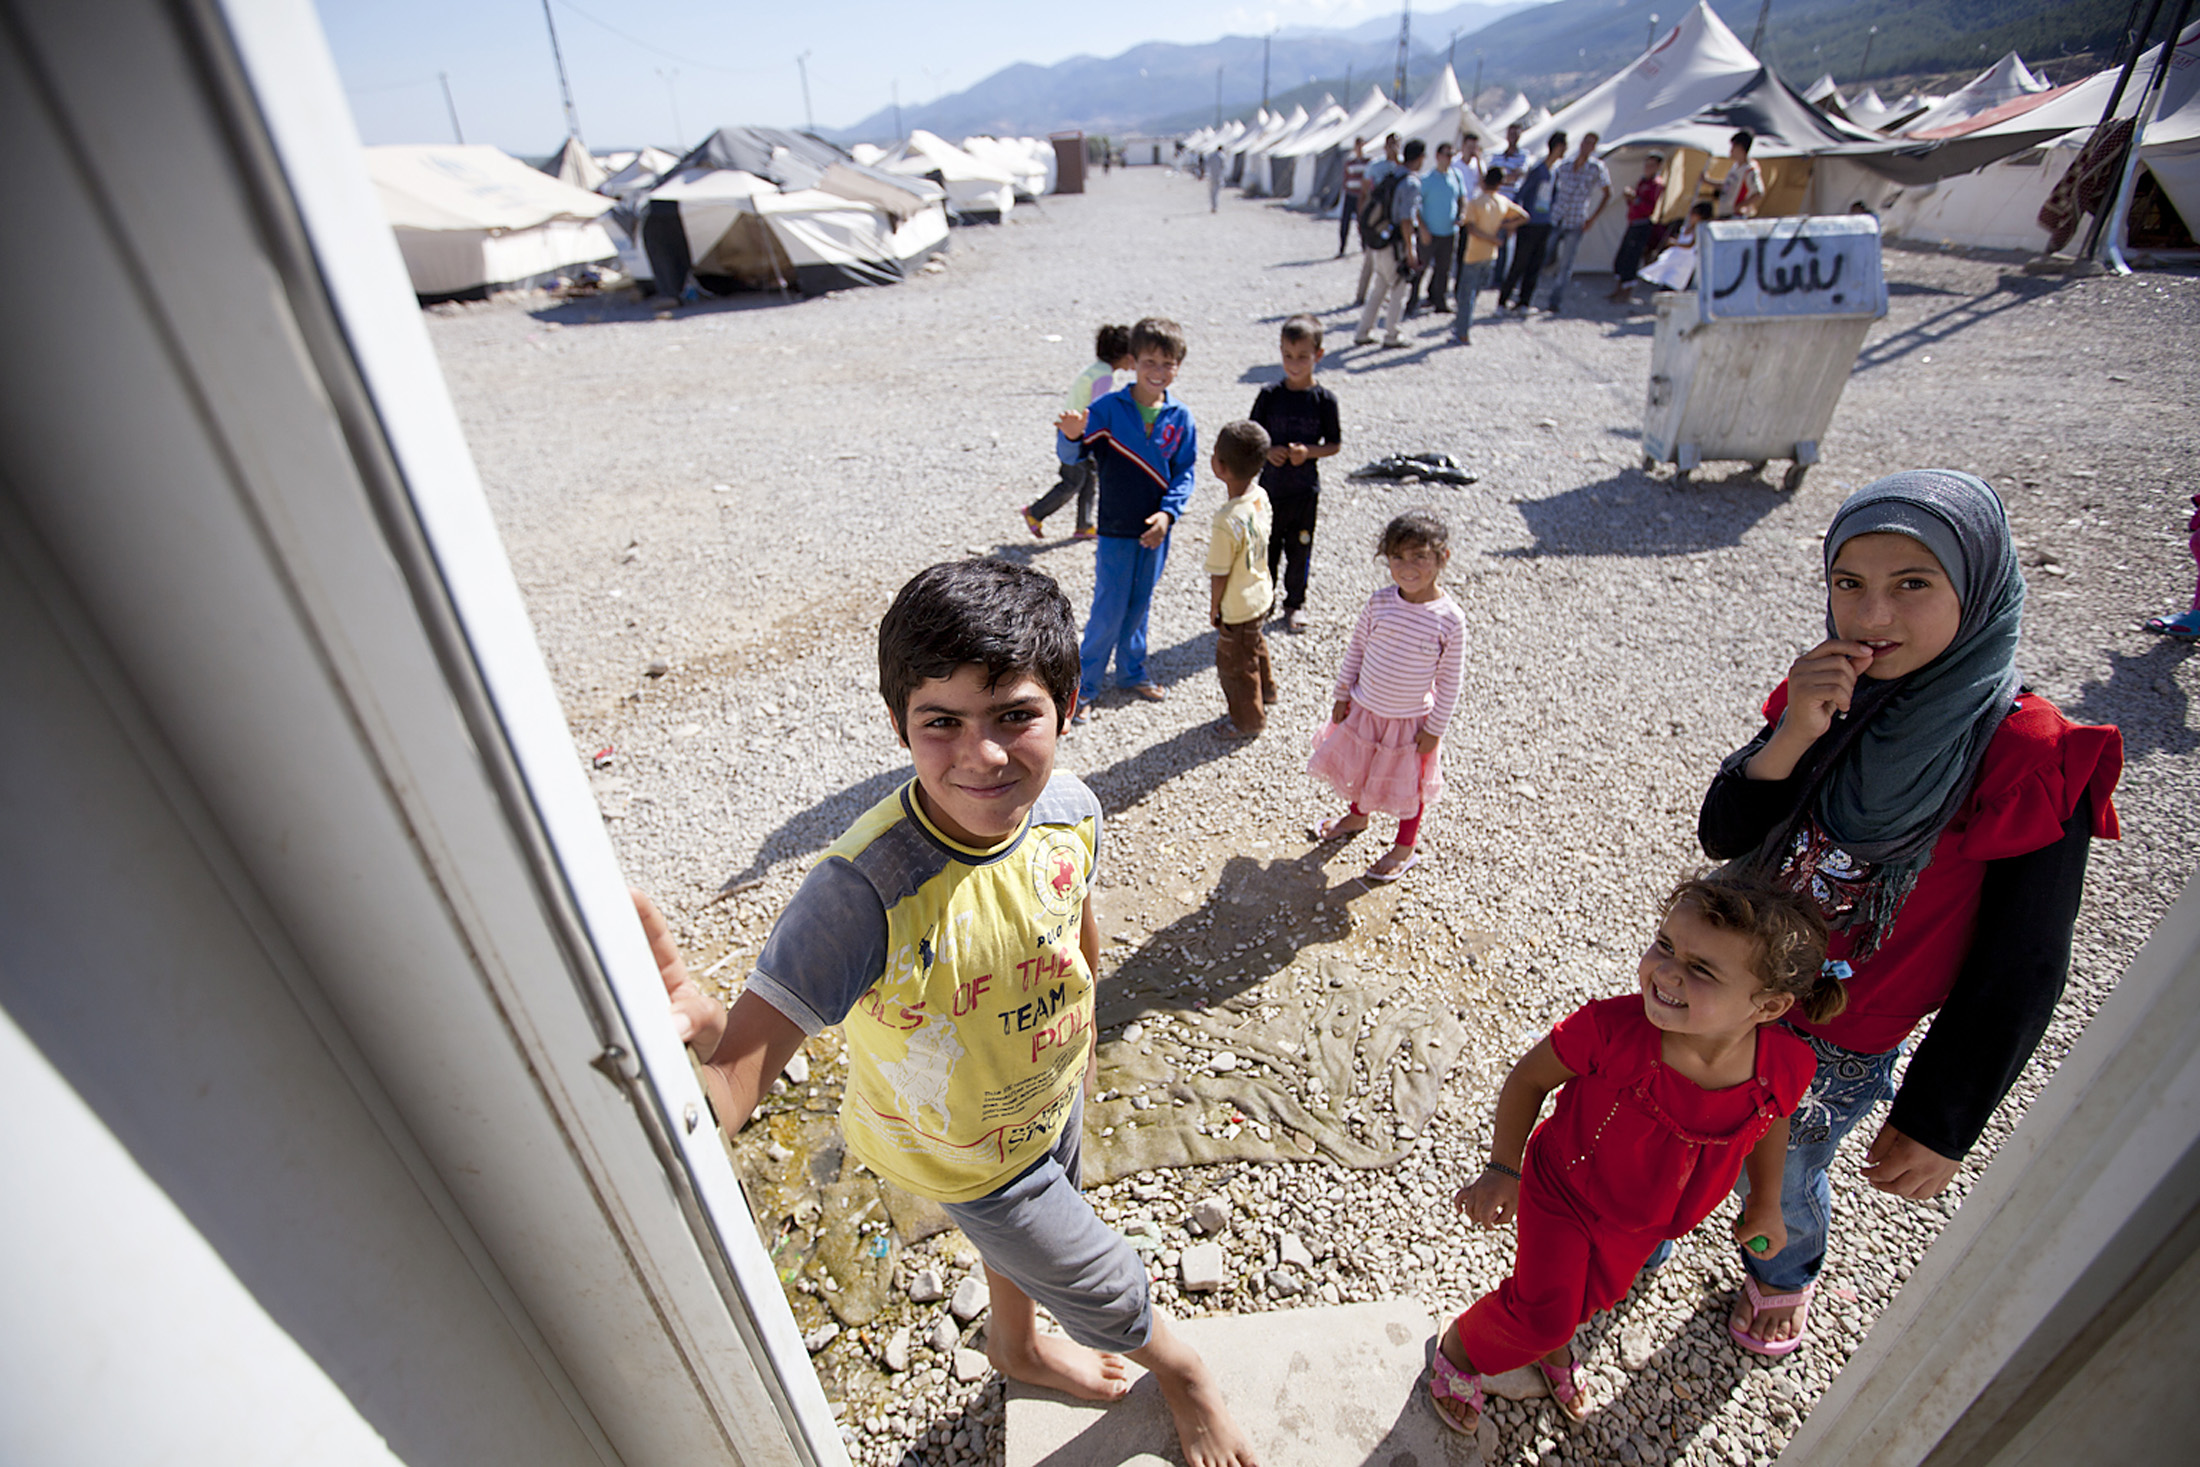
(958, 980)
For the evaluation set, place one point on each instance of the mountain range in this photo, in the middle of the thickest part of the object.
(1552, 51)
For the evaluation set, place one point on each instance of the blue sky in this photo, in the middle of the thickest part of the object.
(638, 65)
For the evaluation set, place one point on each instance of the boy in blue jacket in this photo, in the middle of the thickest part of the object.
(1146, 447)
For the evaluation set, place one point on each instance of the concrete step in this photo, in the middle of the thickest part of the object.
(1328, 1387)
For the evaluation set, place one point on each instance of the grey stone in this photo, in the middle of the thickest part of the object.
(1284, 1283)
(1292, 1252)
(1202, 1267)
(896, 1354)
(817, 1339)
(1524, 1384)
(798, 1069)
(1212, 1215)
(971, 1365)
(1636, 1347)
(945, 1336)
(971, 1297)
(1311, 1387)
(926, 1287)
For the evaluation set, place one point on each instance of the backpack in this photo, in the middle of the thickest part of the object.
(1378, 230)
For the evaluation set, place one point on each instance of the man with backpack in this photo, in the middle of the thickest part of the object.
(1376, 172)
(1389, 221)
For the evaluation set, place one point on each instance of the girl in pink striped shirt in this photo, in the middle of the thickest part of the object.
(1395, 695)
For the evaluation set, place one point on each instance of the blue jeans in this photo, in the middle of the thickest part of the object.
(1569, 245)
(1471, 280)
(1842, 1094)
(1123, 577)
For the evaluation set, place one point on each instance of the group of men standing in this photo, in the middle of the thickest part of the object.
(1554, 203)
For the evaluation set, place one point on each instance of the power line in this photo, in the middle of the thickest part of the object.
(654, 49)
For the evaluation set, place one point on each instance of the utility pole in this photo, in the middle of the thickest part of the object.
(1757, 36)
(1451, 49)
(1264, 40)
(1348, 84)
(451, 106)
(802, 64)
(897, 109)
(1405, 45)
(1651, 39)
(572, 118)
(1218, 96)
(1869, 37)
(1477, 75)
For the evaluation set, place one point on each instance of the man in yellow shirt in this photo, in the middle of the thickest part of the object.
(1484, 221)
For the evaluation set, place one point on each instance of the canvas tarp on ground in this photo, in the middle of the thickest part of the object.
(468, 217)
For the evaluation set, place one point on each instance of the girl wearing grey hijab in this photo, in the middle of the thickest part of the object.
(1938, 815)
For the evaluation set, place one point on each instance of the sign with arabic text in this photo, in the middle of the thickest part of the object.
(1778, 269)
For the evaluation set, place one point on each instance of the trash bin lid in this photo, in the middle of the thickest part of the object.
(1778, 269)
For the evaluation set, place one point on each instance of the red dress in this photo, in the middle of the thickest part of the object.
(1634, 1152)
(2037, 765)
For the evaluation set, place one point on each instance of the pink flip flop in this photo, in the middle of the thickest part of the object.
(1565, 1386)
(1759, 1302)
(1447, 1382)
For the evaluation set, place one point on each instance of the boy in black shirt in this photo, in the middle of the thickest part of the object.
(1301, 419)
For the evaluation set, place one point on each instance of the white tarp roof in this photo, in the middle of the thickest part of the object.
(2175, 118)
(573, 165)
(1290, 128)
(1823, 88)
(1513, 111)
(1698, 63)
(952, 163)
(1435, 116)
(1370, 120)
(2004, 81)
(471, 186)
(1320, 132)
(639, 171)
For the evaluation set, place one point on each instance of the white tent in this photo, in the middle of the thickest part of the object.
(1516, 110)
(637, 172)
(2004, 81)
(1868, 110)
(742, 230)
(1030, 161)
(973, 185)
(1255, 177)
(1995, 207)
(1820, 90)
(574, 165)
(1437, 115)
(1316, 179)
(1280, 165)
(468, 217)
(1697, 64)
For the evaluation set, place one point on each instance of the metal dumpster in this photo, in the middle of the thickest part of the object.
(1749, 363)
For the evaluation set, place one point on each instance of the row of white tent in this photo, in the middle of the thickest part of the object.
(748, 208)
(1970, 168)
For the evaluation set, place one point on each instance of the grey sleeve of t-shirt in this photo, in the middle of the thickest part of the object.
(826, 950)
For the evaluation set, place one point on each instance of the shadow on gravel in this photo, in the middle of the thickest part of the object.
(1684, 1380)
(1632, 513)
(812, 830)
(620, 307)
(1130, 779)
(2015, 291)
(1261, 376)
(2141, 697)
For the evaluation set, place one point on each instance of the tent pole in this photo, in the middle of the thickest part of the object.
(2111, 226)
(2136, 39)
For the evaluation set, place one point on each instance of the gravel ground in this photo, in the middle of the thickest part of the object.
(708, 509)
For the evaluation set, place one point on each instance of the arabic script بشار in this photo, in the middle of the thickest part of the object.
(1783, 279)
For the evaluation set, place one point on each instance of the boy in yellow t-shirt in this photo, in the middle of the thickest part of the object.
(1484, 221)
(950, 933)
(1240, 591)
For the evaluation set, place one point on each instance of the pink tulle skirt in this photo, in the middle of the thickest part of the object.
(1373, 762)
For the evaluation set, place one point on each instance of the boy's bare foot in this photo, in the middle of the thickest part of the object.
(1056, 1364)
(1204, 1427)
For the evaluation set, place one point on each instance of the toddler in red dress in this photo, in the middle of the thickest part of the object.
(1664, 1098)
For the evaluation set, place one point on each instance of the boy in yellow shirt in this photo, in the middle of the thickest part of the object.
(1484, 220)
(1239, 589)
(950, 933)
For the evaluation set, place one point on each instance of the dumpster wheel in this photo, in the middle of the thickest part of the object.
(1792, 480)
